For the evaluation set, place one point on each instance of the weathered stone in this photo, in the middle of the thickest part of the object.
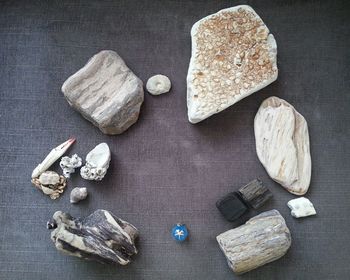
(262, 239)
(101, 237)
(301, 207)
(282, 144)
(106, 92)
(78, 194)
(233, 56)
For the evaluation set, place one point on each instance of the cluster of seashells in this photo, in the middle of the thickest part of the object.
(52, 184)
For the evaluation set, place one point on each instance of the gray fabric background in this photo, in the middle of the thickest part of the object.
(164, 169)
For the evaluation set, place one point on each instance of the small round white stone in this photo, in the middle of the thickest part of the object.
(158, 84)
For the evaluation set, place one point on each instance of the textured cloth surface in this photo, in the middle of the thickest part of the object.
(165, 170)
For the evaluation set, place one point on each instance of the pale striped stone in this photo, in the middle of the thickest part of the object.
(106, 92)
(282, 144)
(262, 239)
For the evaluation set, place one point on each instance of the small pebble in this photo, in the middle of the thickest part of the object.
(78, 194)
(301, 207)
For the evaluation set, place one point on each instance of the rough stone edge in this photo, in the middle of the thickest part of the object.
(270, 41)
(103, 129)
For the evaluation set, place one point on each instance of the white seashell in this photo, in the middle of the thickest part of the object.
(78, 194)
(282, 144)
(49, 178)
(301, 207)
(158, 84)
(68, 164)
(54, 155)
(97, 163)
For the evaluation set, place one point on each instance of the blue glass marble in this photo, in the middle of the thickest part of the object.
(179, 232)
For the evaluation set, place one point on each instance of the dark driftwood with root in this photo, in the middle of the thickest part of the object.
(101, 237)
(263, 239)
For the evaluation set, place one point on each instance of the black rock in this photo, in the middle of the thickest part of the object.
(255, 194)
(101, 236)
(231, 206)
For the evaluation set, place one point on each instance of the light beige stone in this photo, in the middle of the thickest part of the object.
(233, 56)
(282, 144)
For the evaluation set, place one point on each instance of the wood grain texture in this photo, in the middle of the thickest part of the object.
(106, 92)
(101, 237)
(262, 239)
(255, 194)
(283, 145)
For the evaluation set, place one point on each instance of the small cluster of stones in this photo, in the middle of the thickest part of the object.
(233, 56)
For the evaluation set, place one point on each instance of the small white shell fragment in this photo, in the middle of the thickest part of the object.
(301, 207)
(78, 194)
(69, 164)
(158, 84)
(97, 163)
(49, 178)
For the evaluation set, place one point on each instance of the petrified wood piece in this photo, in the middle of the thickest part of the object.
(101, 237)
(106, 92)
(231, 206)
(282, 144)
(262, 239)
(255, 194)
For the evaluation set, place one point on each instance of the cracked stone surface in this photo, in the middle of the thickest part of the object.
(233, 56)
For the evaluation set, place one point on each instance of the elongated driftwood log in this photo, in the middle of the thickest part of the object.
(101, 237)
(263, 239)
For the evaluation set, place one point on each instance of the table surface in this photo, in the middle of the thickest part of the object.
(164, 169)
